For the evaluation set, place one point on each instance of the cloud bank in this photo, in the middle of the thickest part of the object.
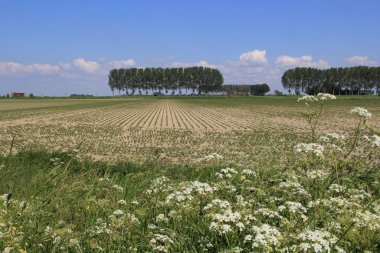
(360, 60)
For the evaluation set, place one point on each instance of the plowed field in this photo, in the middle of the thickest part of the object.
(169, 129)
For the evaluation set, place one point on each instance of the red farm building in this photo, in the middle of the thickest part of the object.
(18, 94)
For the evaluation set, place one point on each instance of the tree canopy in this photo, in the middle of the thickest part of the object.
(349, 80)
(246, 89)
(200, 79)
(260, 89)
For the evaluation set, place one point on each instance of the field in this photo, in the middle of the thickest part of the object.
(197, 174)
(176, 130)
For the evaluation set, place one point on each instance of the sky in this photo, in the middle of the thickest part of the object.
(57, 48)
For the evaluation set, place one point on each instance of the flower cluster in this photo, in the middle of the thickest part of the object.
(361, 112)
(321, 97)
(309, 148)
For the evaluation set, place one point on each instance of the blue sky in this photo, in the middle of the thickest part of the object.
(63, 47)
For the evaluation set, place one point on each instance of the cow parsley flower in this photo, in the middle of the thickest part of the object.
(325, 96)
(321, 97)
(133, 218)
(313, 148)
(361, 112)
(118, 212)
(226, 173)
(213, 156)
(218, 203)
(158, 185)
(308, 99)
(374, 140)
(188, 190)
(161, 243)
(368, 220)
(265, 236)
(117, 188)
(248, 172)
(161, 218)
(122, 202)
(316, 241)
(331, 138)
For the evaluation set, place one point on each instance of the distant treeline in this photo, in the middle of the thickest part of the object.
(246, 89)
(142, 80)
(350, 80)
(81, 96)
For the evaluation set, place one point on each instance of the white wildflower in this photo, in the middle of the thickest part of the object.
(336, 188)
(74, 243)
(248, 238)
(188, 190)
(117, 188)
(317, 241)
(361, 112)
(308, 99)
(158, 185)
(7, 249)
(226, 173)
(265, 236)
(325, 96)
(152, 226)
(133, 218)
(161, 243)
(222, 204)
(295, 207)
(118, 212)
(240, 226)
(374, 141)
(368, 220)
(122, 202)
(314, 148)
(317, 174)
(211, 157)
(161, 218)
(248, 172)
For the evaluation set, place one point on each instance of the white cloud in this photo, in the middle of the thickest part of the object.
(303, 61)
(7, 68)
(360, 60)
(122, 63)
(65, 69)
(255, 56)
(201, 63)
(205, 64)
(87, 66)
(42, 68)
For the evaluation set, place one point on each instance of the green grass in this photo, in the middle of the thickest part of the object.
(269, 198)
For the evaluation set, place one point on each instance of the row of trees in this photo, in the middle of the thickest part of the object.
(350, 80)
(246, 89)
(132, 80)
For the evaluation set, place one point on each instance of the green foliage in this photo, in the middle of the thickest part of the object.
(278, 93)
(260, 89)
(350, 80)
(202, 79)
(247, 89)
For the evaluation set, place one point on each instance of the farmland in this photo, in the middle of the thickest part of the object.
(199, 174)
(173, 129)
